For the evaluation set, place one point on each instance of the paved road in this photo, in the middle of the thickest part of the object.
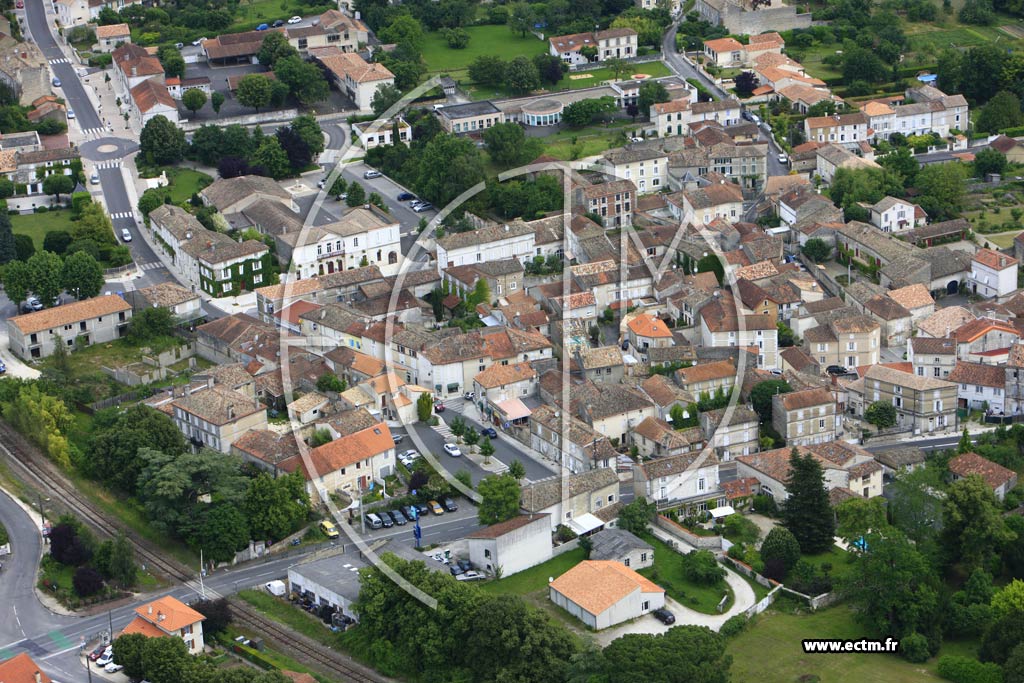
(926, 444)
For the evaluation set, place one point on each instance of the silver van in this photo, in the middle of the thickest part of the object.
(373, 521)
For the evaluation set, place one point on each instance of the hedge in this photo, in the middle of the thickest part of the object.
(967, 670)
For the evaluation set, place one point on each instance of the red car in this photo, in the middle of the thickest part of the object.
(99, 652)
(438, 407)
(20, 5)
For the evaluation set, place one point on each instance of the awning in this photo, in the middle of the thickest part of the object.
(513, 409)
(723, 511)
(585, 523)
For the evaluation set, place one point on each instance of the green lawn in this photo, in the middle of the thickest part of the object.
(484, 40)
(249, 15)
(778, 636)
(1004, 239)
(289, 615)
(276, 658)
(186, 182)
(667, 572)
(576, 80)
(536, 578)
(837, 557)
(36, 225)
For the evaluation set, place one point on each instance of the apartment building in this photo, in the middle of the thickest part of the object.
(897, 215)
(212, 415)
(849, 342)
(493, 242)
(805, 417)
(613, 201)
(979, 386)
(81, 323)
(846, 130)
(701, 205)
(471, 117)
(597, 46)
(923, 404)
(721, 327)
(932, 356)
(644, 163)
(993, 275)
(353, 75)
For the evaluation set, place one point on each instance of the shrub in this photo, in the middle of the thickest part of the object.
(734, 625)
(780, 544)
(965, 669)
(915, 649)
(765, 504)
(701, 568)
(87, 581)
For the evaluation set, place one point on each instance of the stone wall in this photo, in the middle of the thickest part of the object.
(713, 543)
(781, 18)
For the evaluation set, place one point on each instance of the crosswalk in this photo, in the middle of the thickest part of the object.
(443, 430)
(94, 132)
(123, 214)
(151, 266)
(108, 164)
(60, 60)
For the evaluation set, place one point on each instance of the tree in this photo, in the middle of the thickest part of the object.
(128, 653)
(471, 437)
(8, 245)
(58, 184)
(487, 450)
(217, 613)
(1013, 670)
(1002, 637)
(424, 407)
(499, 499)
(172, 61)
(868, 185)
(1009, 599)
(305, 81)
(508, 145)
(150, 324)
(989, 160)
(457, 38)
(356, 194)
(651, 92)
(253, 91)
(121, 565)
(295, 148)
(973, 527)
(82, 276)
(275, 46)
(942, 187)
(807, 512)
(216, 100)
(901, 161)
(521, 75)
(746, 82)
(193, 99)
(17, 280)
(683, 653)
(406, 30)
(517, 470)
(487, 70)
(761, 397)
(816, 249)
(882, 414)
(24, 246)
(965, 445)
(275, 507)
(636, 516)
(330, 382)
(550, 68)
(892, 588)
(67, 545)
(860, 64)
(44, 270)
(521, 18)
(165, 659)
(462, 163)
(384, 98)
(57, 241)
(162, 142)
(118, 438)
(781, 546)
(711, 264)
(271, 159)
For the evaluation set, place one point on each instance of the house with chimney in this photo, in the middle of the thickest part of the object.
(211, 415)
(597, 46)
(168, 617)
(22, 669)
(998, 478)
(993, 274)
(805, 417)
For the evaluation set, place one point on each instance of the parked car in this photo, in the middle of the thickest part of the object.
(488, 432)
(262, 27)
(469, 395)
(3, 369)
(452, 450)
(436, 508)
(56, 82)
(835, 370)
(399, 513)
(179, 45)
(112, 668)
(385, 520)
(71, 113)
(373, 521)
(405, 196)
(438, 407)
(295, 20)
(199, 41)
(371, 174)
(397, 517)
(449, 504)
(456, 570)
(94, 179)
(105, 658)
(98, 652)
(410, 513)
(31, 304)
(425, 206)
(471, 575)
(328, 528)
(465, 565)
(783, 159)
(398, 437)
(125, 235)
(422, 509)
(664, 616)
(279, 23)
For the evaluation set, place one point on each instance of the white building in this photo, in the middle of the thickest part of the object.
(511, 546)
(602, 593)
(493, 242)
(676, 478)
(614, 43)
(897, 215)
(993, 274)
(643, 163)
(363, 233)
(168, 616)
(376, 133)
(979, 386)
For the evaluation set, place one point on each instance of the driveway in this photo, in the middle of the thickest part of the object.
(745, 599)
(764, 525)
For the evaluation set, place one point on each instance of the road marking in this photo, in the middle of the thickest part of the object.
(108, 164)
(61, 60)
(123, 214)
(151, 266)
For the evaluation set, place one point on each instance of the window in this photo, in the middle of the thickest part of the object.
(647, 603)
(626, 562)
(487, 553)
(821, 424)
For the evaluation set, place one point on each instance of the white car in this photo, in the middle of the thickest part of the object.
(471, 575)
(295, 20)
(112, 668)
(410, 454)
(107, 658)
(125, 235)
(452, 450)
(71, 114)
(783, 159)
(199, 41)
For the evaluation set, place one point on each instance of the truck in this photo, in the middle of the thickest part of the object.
(276, 588)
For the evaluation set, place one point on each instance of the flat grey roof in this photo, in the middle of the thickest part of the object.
(468, 110)
(340, 573)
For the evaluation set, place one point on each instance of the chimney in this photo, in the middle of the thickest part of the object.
(149, 610)
(506, 227)
(188, 234)
(323, 313)
(38, 676)
(135, 71)
(231, 412)
(160, 616)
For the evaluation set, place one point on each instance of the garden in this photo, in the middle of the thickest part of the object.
(694, 580)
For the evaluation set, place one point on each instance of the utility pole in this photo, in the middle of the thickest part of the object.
(202, 570)
(362, 514)
(110, 620)
(42, 513)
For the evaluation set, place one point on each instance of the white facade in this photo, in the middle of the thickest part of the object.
(513, 550)
(519, 246)
(344, 250)
(766, 341)
(989, 279)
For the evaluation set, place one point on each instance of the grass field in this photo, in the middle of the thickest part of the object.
(291, 616)
(251, 14)
(837, 557)
(185, 182)
(667, 572)
(780, 635)
(535, 578)
(484, 40)
(1003, 240)
(36, 225)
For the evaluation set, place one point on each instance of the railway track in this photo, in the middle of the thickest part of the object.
(53, 482)
(328, 660)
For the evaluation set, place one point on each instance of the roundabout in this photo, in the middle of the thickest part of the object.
(107, 149)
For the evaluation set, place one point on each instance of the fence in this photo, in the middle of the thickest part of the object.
(639, 59)
(119, 271)
(686, 536)
(153, 368)
(130, 396)
(816, 602)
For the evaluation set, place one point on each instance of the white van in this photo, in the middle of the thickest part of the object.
(373, 521)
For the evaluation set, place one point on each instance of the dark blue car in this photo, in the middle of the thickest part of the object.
(489, 431)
